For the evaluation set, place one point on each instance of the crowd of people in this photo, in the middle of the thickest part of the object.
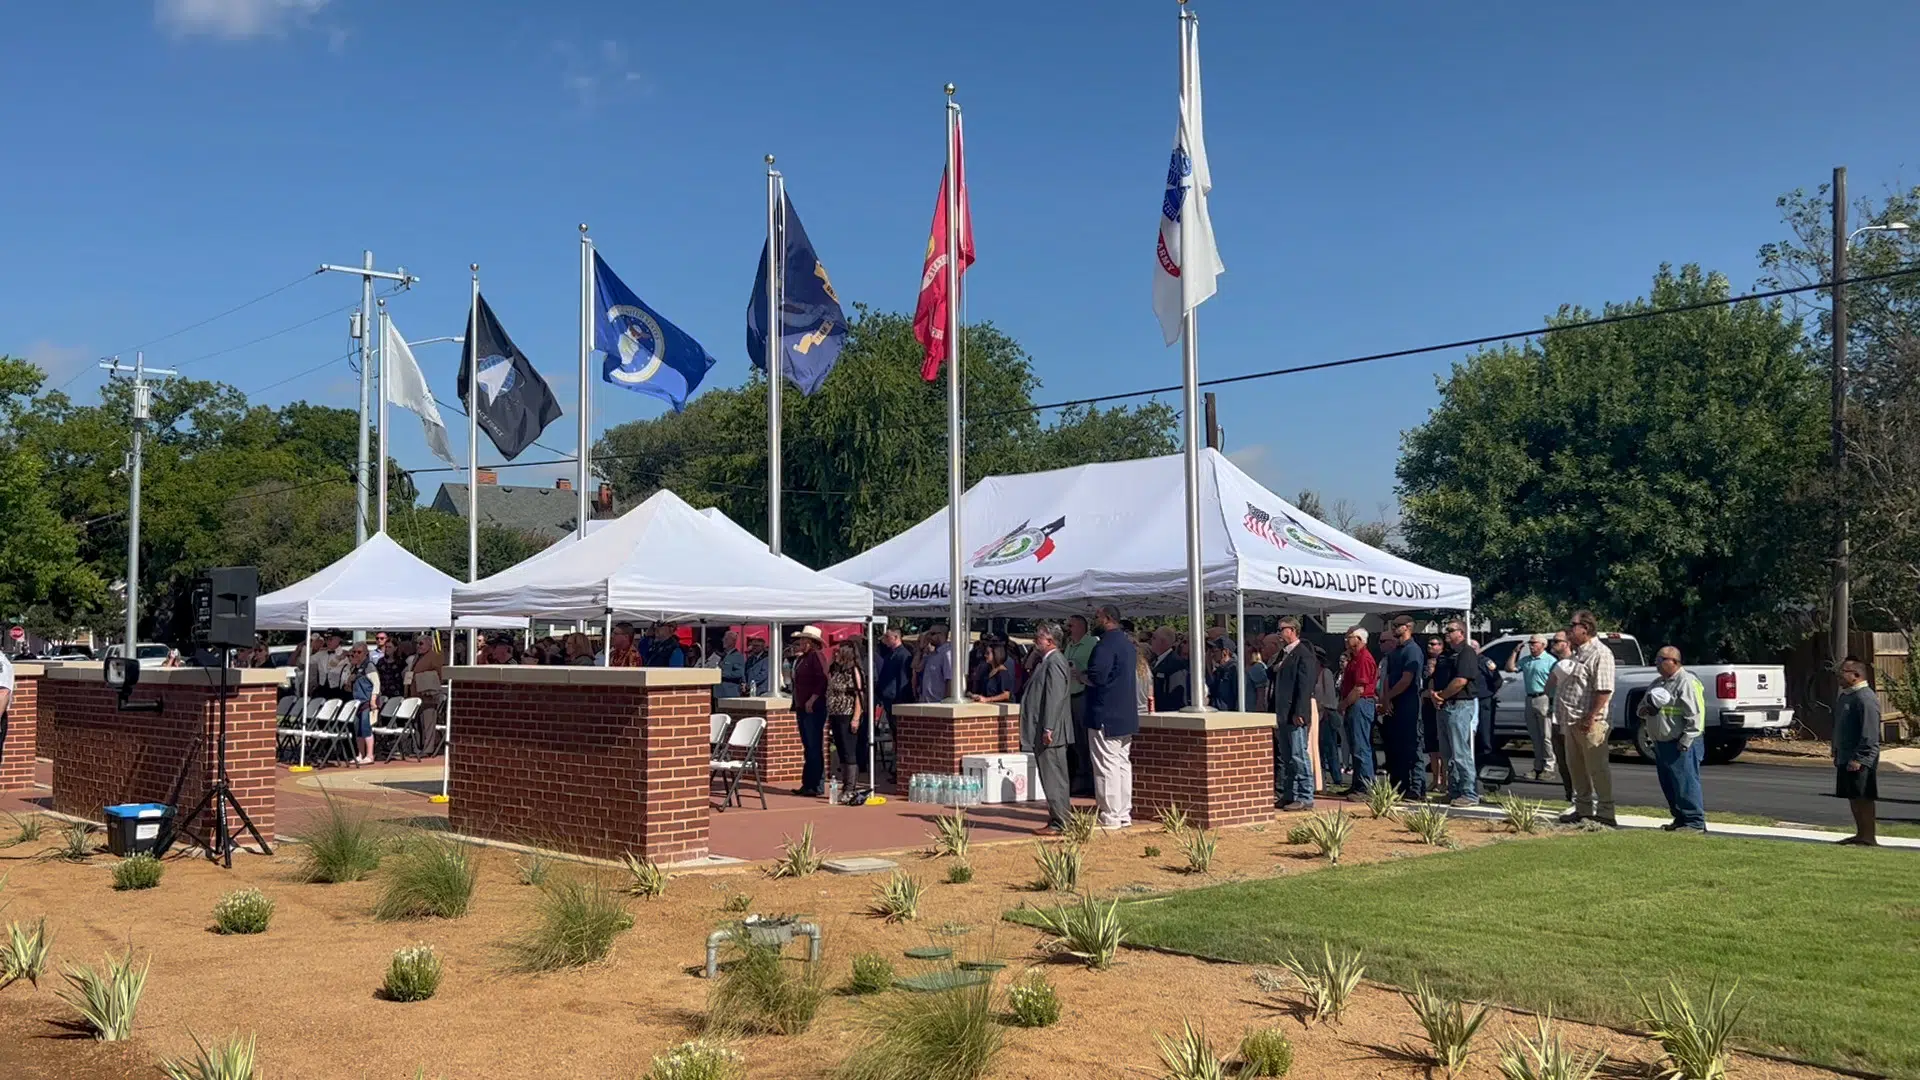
(388, 666)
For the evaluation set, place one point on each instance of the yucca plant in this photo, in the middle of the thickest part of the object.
(1300, 834)
(1199, 846)
(342, 846)
(761, 992)
(1547, 1057)
(1429, 823)
(737, 904)
(1520, 815)
(533, 869)
(430, 878)
(243, 911)
(1089, 930)
(413, 974)
(1173, 820)
(577, 921)
(1059, 866)
(107, 1001)
(951, 835)
(1330, 832)
(1385, 799)
(959, 873)
(27, 828)
(698, 1059)
(1328, 982)
(1267, 1052)
(1189, 1055)
(898, 898)
(1694, 1037)
(1081, 826)
(1033, 1002)
(229, 1060)
(1450, 1028)
(872, 973)
(141, 871)
(23, 955)
(645, 878)
(797, 859)
(76, 842)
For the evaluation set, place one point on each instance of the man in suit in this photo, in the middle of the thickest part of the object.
(1046, 723)
(1292, 683)
(1113, 716)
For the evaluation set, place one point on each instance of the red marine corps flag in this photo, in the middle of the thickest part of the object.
(930, 314)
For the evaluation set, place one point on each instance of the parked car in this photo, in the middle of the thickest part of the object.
(1741, 698)
(149, 654)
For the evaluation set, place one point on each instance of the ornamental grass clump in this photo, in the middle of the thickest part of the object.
(1189, 1055)
(243, 911)
(737, 904)
(797, 859)
(23, 955)
(944, 1035)
(951, 835)
(106, 1001)
(576, 922)
(1199, 846)
(898, 898)
(413, 974)
(28, 828)
(645, 878)
(1547, 1057)
(1173, 820)
(1090, 931)
(1694, 1037)
(959, 873)
(228, 1060)
(872, 973)
(1300, 834)
(1059, 866)
(1033, 1002)
(430, 878)
(1450, 1028)
(533, 869)
(1330, 833)
(761, 992)
(342, 846)
(1081, 826)
(140, 871)
(1520, 815)
(76, 842)
(1429, 823)
(698, 1059)
(1267, 1052)
(1327, 983)
(1385, 799)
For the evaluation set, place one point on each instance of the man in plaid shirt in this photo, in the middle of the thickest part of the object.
(1580, 706)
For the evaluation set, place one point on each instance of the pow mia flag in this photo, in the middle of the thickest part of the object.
(516, 404)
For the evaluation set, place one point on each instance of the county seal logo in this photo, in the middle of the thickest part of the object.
(1020, 542)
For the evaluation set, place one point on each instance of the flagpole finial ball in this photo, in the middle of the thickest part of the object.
(949, 89)
(583, 227)
(769, 159)
(475, 267)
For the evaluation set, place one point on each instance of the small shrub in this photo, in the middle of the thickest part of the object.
(1547, 1057)
(1033, 1003)
(577, 922)
(872, 973)
(959, 873)
(737, 904)
(1385, 799)
(1089, 931)
(1429, 823)
(342, 846)
(1327, 983)
(1330, 833)
(1265, 1053)
(76, 842)
(1199, 846)
(1152, 851)
(1693, 1037)
(1450, 1027)
(432, 878)
(1300, 834)
(952, 929)
(229, 1060)
(23, 955)
(1189, 1055)
(413, 974)
(140, 871)
(243, 911)
(898, 898)
(797, 859)
(948, 1035)
(1059, 866)
(761, 992)
(533, 869)
(951, 835)
(698, 1059)
(648, 880)
(1173, 820)
(28, 828)
(107, 1001)
(1081, 826)
(1521, 815)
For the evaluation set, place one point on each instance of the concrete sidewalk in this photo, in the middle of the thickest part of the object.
(1757, 832)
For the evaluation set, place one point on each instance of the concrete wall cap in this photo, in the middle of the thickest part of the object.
(941, 710)
(756, 704)
(584, 676)
(1206, 721)
(204, 678)
(28, 669)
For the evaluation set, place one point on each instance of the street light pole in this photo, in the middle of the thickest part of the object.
(1840, 600)
(142, 402)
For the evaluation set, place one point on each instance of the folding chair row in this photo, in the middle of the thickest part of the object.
(396, 726)
(319, 714)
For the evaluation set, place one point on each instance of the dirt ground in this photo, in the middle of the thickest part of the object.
(307, 986)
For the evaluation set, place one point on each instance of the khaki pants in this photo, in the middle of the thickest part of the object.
(1592, 776)
(1112, 778)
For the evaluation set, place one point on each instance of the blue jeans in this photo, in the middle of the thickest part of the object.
(1360, 740)
(1406, 755)
(1297, 781)
(1680, 781)
(1459, 720)
(1332, 734)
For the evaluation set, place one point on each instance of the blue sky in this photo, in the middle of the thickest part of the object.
(1386, 175)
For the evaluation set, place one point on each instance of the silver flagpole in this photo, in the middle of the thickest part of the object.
(586, 385)
(473, 454)
(959, 640)
(1190, 396)
(776, 354)
(366, 375)
(383, 418)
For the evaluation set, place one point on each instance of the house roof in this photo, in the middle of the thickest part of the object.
(545, 512)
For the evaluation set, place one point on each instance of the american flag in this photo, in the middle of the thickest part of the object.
(1260, 523)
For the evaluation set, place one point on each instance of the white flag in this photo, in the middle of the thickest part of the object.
(407, 388)
(1183, 279)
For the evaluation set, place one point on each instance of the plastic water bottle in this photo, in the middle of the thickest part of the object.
(833, 791)
(917, 788)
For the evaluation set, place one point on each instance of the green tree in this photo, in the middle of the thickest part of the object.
(43, 579)
(1656, 471)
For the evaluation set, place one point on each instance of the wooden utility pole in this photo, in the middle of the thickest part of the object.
(1841, 542)
(1213, 424)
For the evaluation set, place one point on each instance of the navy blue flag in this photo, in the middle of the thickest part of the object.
(812, 327)
(644, 351)
(516, 404)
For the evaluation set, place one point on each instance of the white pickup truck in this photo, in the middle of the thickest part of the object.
(1741, 698)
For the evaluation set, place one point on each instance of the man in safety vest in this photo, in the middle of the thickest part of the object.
(1674, 713)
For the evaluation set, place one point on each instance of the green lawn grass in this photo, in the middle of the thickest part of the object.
(1728, 817)
(1824, 941)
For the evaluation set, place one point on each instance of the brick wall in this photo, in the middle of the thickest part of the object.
(781, 756)
(22, 742)
(933, 738)
(107, 756)
(1220, 775)
(593, 761)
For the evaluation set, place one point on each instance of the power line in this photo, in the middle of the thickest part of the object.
(270, 293)
(300, 375)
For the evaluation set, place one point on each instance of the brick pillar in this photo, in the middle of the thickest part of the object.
(781, 756)
(1217, 766)
(107, 756)
(22, 742)
(933, 738)
(593, 761)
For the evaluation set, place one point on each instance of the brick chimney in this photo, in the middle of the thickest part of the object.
(488, 476)
(604, 498)
(563, 484)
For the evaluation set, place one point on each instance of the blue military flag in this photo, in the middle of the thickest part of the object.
(644, 351)
(813, 328)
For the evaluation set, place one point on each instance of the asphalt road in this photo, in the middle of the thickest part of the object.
(1797, 793)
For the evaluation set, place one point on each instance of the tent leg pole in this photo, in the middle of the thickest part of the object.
(873, 729)
(606, 640)
(1240, 638)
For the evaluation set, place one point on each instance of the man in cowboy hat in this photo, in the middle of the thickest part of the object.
(810, 707)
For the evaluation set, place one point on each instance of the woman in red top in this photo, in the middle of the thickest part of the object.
(810, 709)
(1359, 677)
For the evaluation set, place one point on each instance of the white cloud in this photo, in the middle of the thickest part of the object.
(59, 362)
(594, 75)
(233, 20)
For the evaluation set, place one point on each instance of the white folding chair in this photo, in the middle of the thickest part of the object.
(397, 726)
(717, 727)
(741, 755)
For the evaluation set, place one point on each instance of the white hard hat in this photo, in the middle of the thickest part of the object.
(1660, 696)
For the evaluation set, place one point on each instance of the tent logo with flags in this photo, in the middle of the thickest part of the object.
(1018, 543)
(1289, 530)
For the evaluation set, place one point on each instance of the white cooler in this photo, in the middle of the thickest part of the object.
(1004, 778)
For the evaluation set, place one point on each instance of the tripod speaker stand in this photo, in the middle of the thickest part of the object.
(219, 841)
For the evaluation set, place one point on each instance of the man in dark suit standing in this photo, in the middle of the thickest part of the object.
(1113, 716)
(1292, 683)
(1046, 722)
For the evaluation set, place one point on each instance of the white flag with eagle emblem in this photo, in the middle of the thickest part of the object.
(1183, 279)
